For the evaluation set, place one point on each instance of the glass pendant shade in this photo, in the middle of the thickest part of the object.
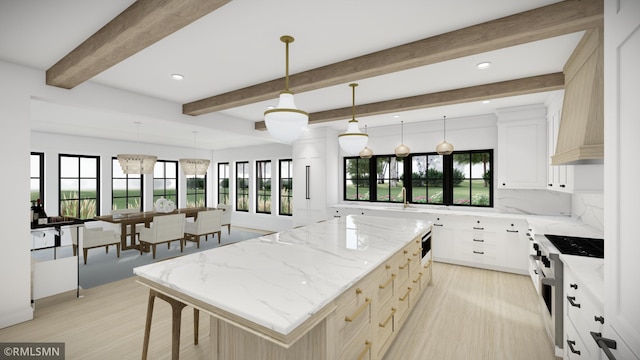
(402, 150)
(137, 163)
(353, 141)
(286, 122)
(444, 148)
(366, 153)
(194, 166)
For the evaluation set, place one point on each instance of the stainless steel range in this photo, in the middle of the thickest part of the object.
(546, 272)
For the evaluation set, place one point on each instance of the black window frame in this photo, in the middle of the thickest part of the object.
(225, 166)
(447, 179)
(242, 191)
(39, 179)
(196, 191)
(128, 178)
(63, 210)
(163, 193)
(261, 191)
(285, 193)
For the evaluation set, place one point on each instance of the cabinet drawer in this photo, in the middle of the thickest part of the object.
(574, 347)
(384, 328)
(359, 348)
(480, 252)
(404, 302)
(385, 285)
(353, 313)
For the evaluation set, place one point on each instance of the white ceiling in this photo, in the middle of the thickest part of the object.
(238, 45)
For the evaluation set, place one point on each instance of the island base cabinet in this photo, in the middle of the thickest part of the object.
(230, 342)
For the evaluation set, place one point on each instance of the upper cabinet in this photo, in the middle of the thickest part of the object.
(522, 147)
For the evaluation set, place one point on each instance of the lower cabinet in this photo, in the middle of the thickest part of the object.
(370, 314)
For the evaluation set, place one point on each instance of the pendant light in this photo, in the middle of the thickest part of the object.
(194, 166)
(286, 122)
(444, 148)
(402, 150)
(137, 163)
(353, 141)
(366, 153)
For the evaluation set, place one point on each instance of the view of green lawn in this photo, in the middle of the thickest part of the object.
(460, 193)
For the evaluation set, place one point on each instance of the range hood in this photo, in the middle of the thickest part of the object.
(581, 133)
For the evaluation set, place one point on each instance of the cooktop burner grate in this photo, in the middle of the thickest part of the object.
(573, 245)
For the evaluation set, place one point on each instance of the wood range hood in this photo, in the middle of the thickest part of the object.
(581, 133)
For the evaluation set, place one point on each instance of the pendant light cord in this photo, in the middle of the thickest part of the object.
(353, 101)
(402, 132)
(286, 39)
(444, 125)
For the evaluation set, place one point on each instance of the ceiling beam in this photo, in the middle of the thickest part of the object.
(558, 19)
(140, 25)
(530, 85)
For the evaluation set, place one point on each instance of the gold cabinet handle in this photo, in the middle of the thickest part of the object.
(416, 253)
(418, 278)
(405, 251)
(404, 297)
(426, 266)
(387, 266)
(386, 283)
(404, 266)
(367, 301)
(358, 291)
(364, 352)
(386, 321)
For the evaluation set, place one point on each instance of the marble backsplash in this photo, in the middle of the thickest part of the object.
(532, 202)
(588, 208)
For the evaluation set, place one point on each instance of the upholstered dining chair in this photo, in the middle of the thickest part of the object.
(206, 223)
(120, 212)
(93, 238)
(164, 229)
(226, 216)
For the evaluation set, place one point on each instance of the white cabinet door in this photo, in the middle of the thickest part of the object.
(522, 148)
(442, 239)
(621, 92)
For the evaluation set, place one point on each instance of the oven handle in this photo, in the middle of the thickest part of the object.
(605, 344)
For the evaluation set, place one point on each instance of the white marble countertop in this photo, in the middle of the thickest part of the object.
(280, 280)
(590, 271)
(540, 224)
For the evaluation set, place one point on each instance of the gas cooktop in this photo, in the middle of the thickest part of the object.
(581, 246)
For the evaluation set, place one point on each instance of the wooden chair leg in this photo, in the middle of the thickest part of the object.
(75, 249)
(219, 236)
(153, 249)
(147, 326)
(106, 249)
(84, 252)
(196, 325)
(118, 249)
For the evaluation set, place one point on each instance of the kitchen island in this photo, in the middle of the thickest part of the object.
(331, 290)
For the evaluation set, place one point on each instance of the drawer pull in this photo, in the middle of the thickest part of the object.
(418, 278)
(386, 321)
(478, 228)
(405, 251)
(404, 266)
(599, 319)
(406, 295)
(364, 352)
(427, 265)
(358, 291)
(605, 344)
(387, 266)
(437, 224)
(367, 301)
(416, 253)
(478, 240)
(575, 286)
(572, 301)
(478, 252)
(571, 343)
(512, 231)
(386, 283)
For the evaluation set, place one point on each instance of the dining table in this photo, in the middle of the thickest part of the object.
(146, 218)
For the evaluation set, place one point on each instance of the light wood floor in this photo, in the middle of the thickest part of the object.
(466, 313)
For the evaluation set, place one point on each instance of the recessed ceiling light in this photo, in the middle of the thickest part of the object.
(483, 65)
(396, 116)
(486, 101)
(270, 107)
(177, 76)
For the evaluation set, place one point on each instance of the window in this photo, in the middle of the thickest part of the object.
(463, 178)
(286, 187)
(196, 191)
(357, 179)
(165, 181)
(126, 189)
(223, 183)
(37, 176)
(242, 186)
(79, 186)
(263, 186)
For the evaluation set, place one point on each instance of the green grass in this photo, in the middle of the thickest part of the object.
(460, 193)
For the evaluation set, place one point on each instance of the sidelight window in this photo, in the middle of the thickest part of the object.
(79, 186)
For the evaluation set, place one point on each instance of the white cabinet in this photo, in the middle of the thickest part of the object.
(583, 314)
(522, 148)
(621, 196)
(442, 238)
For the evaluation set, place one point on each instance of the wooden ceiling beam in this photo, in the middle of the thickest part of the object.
(530, 85)
(557, 19)
(140, 25)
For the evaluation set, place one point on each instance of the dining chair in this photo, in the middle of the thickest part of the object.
(207, 222)
(94, 238)
(164, 229)
(226, 216)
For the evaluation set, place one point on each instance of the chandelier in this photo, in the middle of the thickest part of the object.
(137, 163)
(194, 166)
